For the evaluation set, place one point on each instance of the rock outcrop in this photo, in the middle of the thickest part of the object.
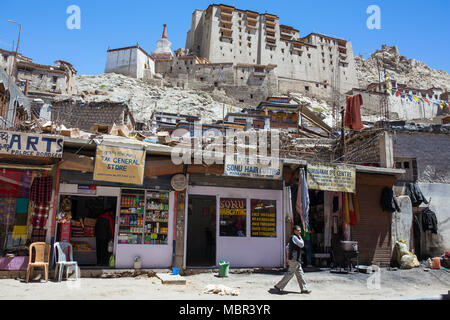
(414, 73)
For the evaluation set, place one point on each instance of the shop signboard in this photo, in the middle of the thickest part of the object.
(179, 182)
(120, 165)
(331, 177)
(264, 218)
(236, 166)
(87, 189)
(233, 207)
(31, 144)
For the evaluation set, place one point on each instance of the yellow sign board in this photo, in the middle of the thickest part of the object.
(331, 177)
(233, 207)
(119, 165)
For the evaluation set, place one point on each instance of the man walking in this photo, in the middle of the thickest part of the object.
(294, 248)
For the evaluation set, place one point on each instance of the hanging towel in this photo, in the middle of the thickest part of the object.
(356, 206)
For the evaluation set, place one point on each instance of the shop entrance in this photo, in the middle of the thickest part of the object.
(83, 213)
(201, 233)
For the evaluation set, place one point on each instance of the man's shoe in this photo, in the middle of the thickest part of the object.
(306, 291)
(277, 290)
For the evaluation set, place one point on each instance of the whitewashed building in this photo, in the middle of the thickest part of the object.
(130, 61)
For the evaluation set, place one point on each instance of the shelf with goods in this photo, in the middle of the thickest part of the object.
(131, 220)
(156, 217)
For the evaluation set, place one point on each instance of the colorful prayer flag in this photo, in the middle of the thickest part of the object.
(421, 99)
(410, 97)
(426, 101)
(398, 94)
(415, 98)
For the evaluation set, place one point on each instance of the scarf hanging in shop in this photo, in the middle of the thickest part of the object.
(328, 207)
(41, 190)
(345, 209)
(40, 214)
(302, 204)
(356, 207)
(351, 209)
(305, 199)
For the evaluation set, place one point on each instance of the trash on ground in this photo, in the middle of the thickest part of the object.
(220, 290)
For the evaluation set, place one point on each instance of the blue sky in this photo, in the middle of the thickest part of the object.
(419, 28)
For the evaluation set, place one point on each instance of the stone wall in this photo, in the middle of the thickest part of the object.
(432, 152)
(85, 115)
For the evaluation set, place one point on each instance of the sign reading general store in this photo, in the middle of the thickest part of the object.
(31, 144)
(121, 165)
(331, 177)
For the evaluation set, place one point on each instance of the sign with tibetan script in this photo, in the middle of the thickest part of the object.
(236, 166)
(121, 165)
(31, 144)
(331, 177)
(233, 207)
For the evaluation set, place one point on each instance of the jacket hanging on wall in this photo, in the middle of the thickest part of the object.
(414, 192)
(429, 221)
(388, 201)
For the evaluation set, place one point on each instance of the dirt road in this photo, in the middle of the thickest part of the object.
(401, 284)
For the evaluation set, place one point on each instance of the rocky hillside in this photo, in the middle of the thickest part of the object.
(414, 73)
(143, 97)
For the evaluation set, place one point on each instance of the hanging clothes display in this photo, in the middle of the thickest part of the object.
(305, 198)
(356, 207)
(429, 221)
(328, 200)
(351, 209)
(388, 201)
(413, 191)
(41, 190)
(345, 209)
(40, 215)
(302, 204)
(336, 210)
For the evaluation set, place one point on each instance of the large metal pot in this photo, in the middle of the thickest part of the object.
(350, 246)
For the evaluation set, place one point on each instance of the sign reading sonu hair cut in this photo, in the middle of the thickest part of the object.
(31, 144)
(121, 165)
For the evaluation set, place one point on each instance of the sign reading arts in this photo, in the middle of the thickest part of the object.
(330, 177)
(119, 165)
(31, 144)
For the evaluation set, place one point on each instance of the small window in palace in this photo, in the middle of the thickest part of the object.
(307, 88)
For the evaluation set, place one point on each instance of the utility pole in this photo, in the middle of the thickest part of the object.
(343, 133)
(18, 42)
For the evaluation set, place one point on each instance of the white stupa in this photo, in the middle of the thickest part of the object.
(163, 46)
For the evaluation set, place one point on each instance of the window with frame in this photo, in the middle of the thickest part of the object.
(263, 215)
(233, 217)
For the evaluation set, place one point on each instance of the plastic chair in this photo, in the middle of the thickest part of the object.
(40, 258)
(60, 249)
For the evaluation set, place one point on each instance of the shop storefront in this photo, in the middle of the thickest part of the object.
(342, 209)
(142, 219)
(27, 174)
(225, 221)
